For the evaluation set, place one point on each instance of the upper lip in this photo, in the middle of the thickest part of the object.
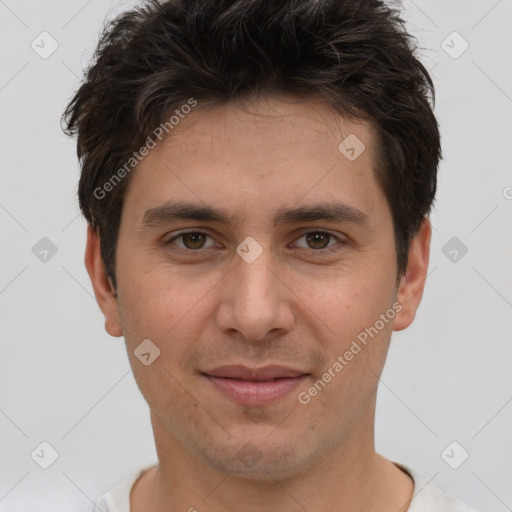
(255, 374)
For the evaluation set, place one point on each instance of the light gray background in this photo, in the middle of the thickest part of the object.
(65, 381)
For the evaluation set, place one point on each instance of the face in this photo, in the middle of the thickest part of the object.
(259, 259)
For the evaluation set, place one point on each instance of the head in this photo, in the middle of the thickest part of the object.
(304, 125)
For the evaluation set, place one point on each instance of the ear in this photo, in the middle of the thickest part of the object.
(103, 289)
(410, 289)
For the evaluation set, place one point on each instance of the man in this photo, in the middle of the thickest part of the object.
(257, 178)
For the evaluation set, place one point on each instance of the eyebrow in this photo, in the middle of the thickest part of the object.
(332, 211)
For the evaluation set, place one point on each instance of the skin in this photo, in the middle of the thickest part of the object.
(296, 305)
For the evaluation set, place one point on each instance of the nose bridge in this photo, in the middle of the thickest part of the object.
(256, 277)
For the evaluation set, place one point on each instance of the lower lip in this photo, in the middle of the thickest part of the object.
(247, 392)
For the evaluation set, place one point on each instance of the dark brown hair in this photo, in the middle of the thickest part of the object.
(355, 53)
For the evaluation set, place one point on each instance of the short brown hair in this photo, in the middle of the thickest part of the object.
(355, 53)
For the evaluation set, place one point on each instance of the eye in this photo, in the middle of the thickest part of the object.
(192, 240)
(318, 240)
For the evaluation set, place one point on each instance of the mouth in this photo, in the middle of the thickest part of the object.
(255, 386)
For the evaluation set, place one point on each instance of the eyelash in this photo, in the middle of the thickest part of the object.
(317, 252)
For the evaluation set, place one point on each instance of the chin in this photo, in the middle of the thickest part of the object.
(262, 461)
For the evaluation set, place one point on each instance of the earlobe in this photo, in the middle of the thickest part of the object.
(103, 289)
(410, 290)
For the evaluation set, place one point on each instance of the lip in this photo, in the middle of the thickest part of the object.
(255, 386)
(241, 372)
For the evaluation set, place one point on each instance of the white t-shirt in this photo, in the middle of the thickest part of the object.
(427, 497)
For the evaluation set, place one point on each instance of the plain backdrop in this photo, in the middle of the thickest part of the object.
(65, 382)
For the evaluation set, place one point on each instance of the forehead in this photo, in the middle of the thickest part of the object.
(271, 123)
(252, 157)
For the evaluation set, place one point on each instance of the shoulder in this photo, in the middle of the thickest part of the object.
(427, 497)
(117, 499)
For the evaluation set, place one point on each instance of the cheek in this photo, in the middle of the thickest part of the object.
(350, 311)
(171, 309)
(166, 392)
(350, 301)
(158, 300)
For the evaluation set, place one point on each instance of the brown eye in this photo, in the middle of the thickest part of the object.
(318, 239)
(193, 240)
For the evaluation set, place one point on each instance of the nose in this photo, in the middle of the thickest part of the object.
(255, 301)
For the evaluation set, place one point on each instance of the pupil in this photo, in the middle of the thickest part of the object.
(195, 237)
(316, 237)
